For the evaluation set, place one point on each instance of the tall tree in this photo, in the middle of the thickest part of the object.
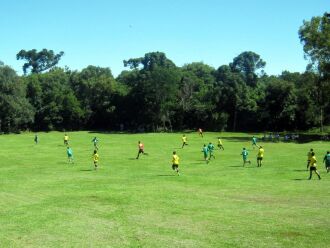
(150, 61)
(248, 63)
(280, 104)
(315, 36)
(97, 90)
(16, 113)
(233, 96)
(39, 61)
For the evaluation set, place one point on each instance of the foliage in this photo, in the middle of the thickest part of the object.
(156, 95)
(39, 61)
(16, 113)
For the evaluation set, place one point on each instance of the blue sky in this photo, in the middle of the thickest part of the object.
(105, 32)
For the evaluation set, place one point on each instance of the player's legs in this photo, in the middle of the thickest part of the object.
(318, 174)
(176, 168)
(138, 155)
(308, 161)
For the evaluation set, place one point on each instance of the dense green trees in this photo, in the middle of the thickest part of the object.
(315, 36)
(16, 113)
(154, 94)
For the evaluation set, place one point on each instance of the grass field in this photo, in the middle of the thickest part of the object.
(46, 202)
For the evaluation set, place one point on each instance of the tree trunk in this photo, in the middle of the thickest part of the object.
(235, 120)
(321, 120)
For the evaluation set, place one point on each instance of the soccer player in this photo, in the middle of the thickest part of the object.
(326, 161)
(210, 147)
(200, 131)
(245, 154)
(70, 154)
(141, 149)
(184, 141)
(175, 163)
(36, 138)
(309, 157)
(254, 142)
(206, 153)
(95, 141)
(312, 167)
(260, 156)
(220, 144)
(66, 139)
(95, 159)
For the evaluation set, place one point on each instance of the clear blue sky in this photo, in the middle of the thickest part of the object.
(105, 32)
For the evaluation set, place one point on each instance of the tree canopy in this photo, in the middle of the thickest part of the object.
(154, 94)
(39, 61)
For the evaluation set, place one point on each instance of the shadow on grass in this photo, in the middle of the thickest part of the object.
(299, 179)
(132, 159)
(240, 166)
(86, 170)
(237, 139)
(299, 170)
(166, 175)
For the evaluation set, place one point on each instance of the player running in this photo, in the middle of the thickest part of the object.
(69, 152)
(184, 141)
(200, 131)
(141, 150)
(66, 139)
(254, 142)
(312, 167)
(95, 141)
(220, 144)
(36, 139)
(326, 161)
(175, 163)
(245, 154)
(210, 147)
(260, 156)
(309, 157)
(95, 159)
(205, 151)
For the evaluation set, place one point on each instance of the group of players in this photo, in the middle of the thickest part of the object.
(208, 152)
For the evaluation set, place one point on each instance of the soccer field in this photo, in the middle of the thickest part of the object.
(47, 202)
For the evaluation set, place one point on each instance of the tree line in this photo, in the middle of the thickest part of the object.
(154, 94)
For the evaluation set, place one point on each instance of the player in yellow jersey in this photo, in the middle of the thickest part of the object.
(66, 139)
(220, 144)
(260, 156)
(175, 163)
(184, 141)
(95, 159)
(309, 157)
(312, 167)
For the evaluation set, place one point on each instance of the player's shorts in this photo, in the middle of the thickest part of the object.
(175, 166)
(70, 156)
(312, 168)
(244, 158)
(141, 151)
(205, 155)
(259, 158)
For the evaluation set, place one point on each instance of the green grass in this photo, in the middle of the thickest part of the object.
(45, 202)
